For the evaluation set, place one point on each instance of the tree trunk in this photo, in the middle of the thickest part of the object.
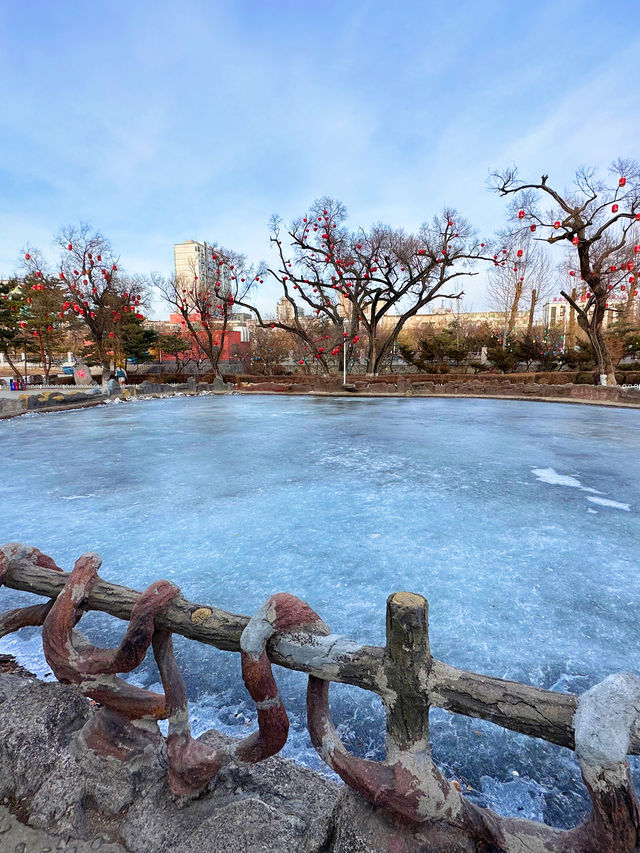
(13, 367)
(532, 308)
(514, 307)
(593, 329)
(570, 341)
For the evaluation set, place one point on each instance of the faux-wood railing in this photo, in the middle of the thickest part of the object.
(602, 725)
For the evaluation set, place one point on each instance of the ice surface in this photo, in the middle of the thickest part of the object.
(341, 502)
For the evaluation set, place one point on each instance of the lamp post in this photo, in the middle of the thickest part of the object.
(344, 351)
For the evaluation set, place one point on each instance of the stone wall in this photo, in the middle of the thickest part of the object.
(18, 404)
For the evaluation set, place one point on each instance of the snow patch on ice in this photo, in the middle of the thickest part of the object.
(551, 476)
(606, 502)
(76, 497)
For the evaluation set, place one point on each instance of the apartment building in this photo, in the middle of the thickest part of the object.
(194, 263)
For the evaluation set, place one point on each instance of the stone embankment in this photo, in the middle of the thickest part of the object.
(13, 403)
(17, 403)
(398, 386)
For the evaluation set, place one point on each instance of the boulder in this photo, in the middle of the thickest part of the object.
(60, 789)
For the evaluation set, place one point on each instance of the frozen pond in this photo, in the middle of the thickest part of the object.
(518, 521)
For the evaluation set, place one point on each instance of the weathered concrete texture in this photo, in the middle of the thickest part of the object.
(55, 785)
(15, 837)
(359, 827)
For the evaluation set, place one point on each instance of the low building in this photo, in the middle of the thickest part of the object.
(446, 316)
(621, 305)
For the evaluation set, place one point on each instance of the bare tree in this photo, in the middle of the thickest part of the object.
(599, 218)
(207, 296)
(372, 281)
(521, 278)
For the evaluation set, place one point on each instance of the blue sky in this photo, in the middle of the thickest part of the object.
(163, 121)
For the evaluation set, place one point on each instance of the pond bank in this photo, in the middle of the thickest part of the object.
(51, 401)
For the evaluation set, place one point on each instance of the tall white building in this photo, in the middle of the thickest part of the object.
(192, 259)
(284, 310)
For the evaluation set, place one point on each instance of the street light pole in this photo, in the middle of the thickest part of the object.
(344, 351)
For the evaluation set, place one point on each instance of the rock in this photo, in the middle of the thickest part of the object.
(191, 383)
(358, 827)
(82, 374)
(38, 721)
(113, 387)
(62, 790)
(219, 384)
(15, 837)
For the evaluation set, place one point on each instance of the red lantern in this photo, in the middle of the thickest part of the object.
(556, 224)
(630, 265)
(637, 217)
(69, 247)
(27, 256)
(636, 249)
(519, 253)
(622, 182)
(572, 273)
(575, 241)
(614, 208)
(521, 214)
(300, 361)
(111, 335)
(533, 227)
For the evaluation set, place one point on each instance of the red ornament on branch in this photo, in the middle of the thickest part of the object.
(622, 182)
(521, 214)
(614, 208)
